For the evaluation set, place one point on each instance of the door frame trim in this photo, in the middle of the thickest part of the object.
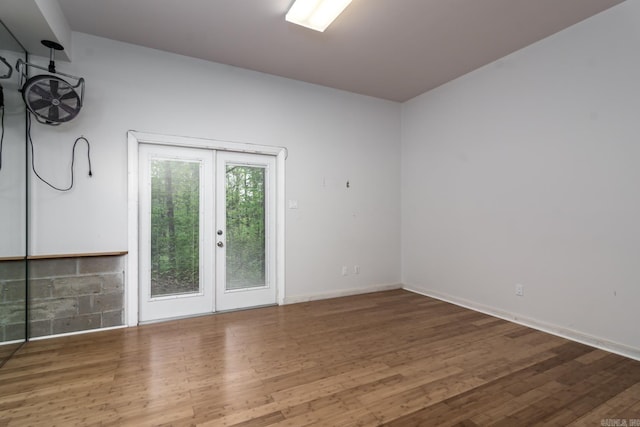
(134, 139)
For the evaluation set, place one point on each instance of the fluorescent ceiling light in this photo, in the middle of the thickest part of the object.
(316, 14)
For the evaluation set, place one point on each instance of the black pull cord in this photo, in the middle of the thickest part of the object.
(73, 158)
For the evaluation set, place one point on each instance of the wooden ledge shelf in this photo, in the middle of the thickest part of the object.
(61, 256)
(81, 255)
(12, 258)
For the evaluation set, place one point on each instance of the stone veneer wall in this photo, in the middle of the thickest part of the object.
(12, 300)
(75, 294)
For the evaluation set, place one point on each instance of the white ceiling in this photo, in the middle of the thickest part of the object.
(391, 49)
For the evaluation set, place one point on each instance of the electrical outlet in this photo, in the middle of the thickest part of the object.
(356, 269)
(345, 270)
(520, 290)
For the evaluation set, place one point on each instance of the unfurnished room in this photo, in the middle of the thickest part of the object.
(319, 213)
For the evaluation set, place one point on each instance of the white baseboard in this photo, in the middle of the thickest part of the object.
(341, 293)
(87, 331)
(597, 342)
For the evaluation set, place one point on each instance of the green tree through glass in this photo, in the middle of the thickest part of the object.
(245, 214)
(175, 228)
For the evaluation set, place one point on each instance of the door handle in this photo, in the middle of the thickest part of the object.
(220, 244)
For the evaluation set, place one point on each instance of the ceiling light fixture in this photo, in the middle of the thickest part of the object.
(316, 14)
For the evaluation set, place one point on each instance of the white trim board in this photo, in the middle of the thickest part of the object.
(82, 332)
(603, 344)
(134, 138)
(211, 144)
(341, 293)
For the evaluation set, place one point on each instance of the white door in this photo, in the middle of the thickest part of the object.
(206, 238)
(245, 235)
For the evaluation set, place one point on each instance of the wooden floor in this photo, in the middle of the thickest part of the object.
(390, 358)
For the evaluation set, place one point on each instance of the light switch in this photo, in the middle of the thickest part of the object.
(293, 204)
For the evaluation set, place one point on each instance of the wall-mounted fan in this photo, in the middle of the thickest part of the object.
(49, 97)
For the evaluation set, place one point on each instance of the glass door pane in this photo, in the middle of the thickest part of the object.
(246, 238)
(175, 227)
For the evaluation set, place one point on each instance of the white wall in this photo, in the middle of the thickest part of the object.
(528, 171)
(331, 136)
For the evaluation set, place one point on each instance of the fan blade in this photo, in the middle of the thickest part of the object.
(54, 114)
(72, 111)
(41, 91)
(39, 104)
(69, 95)
(53, 83)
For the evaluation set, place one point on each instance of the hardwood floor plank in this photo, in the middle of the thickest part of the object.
(389, 358)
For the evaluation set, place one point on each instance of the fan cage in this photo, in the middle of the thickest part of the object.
(52, 100)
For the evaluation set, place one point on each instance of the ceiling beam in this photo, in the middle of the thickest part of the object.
(31, 21)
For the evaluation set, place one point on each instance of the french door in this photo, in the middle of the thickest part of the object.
(207, 231)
